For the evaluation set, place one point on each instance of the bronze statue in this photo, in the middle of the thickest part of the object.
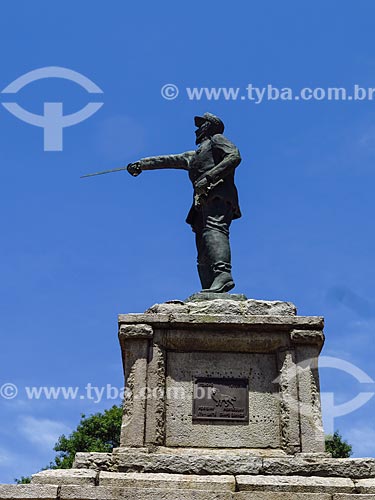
(211, 169)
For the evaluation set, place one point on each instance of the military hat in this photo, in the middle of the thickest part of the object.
(209, 117)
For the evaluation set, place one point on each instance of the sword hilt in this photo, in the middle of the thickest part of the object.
(134, 169)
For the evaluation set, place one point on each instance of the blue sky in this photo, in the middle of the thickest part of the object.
(74, 253)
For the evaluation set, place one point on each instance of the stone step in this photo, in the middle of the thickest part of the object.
(209, 483)
(295, 484)
(231, 462)
(166, 481)
(87, 492)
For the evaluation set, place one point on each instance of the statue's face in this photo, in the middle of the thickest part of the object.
(202, 132)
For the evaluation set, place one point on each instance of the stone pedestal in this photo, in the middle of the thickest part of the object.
(222, 374)
(222, 403)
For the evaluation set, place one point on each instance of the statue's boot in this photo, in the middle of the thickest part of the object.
(205, 275)
(218, 251)
(223, 281)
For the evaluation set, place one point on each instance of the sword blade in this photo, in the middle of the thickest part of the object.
(103, 172)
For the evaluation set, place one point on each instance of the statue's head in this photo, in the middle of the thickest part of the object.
(207, 126)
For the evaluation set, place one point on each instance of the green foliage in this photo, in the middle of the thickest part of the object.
(99, 432)
(23, 480)
(337, 446)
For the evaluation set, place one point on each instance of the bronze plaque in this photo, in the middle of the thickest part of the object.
(221, 399)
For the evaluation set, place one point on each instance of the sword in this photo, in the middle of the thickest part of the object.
(104, 172)
(134, 170)
(199, 197)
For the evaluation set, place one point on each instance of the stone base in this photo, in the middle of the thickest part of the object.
(275, 453)
(197, 297)
(228, 462)
(204, 476)
(222, 374)
(225, 304)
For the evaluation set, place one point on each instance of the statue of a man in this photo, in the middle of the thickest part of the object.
(211, 170)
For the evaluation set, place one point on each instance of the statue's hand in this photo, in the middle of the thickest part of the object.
(134, 169)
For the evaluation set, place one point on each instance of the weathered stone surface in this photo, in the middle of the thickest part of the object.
(27, 492)
(365, 485)
(262, 430)
(311, 425)
(65, 476)
(113, 493)
(155, 408)
(220, 461)
(204, 296)
(314, 456)
(171, 345)
(228, 339)
(248, 321)
(166, 481)
(295, 484)
(274, 495)
(135, 351)
(307, 337)
(245, 308)
(354, 468)
(177, 460)
(345, 496)
(203, 464)
(172, 306)
(222, 452)
(227, 307)
(95, 461)
(288, 396)
(136, 331)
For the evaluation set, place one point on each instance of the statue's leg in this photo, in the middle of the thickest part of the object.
(205, 272)
(211, 227)
(203, 264)
(215, 240)
(217, 243)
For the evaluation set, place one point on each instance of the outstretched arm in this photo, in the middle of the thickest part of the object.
(179, 161)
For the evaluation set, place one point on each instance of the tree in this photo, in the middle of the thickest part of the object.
(23, 480)
(338, 446)
(99, 432)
